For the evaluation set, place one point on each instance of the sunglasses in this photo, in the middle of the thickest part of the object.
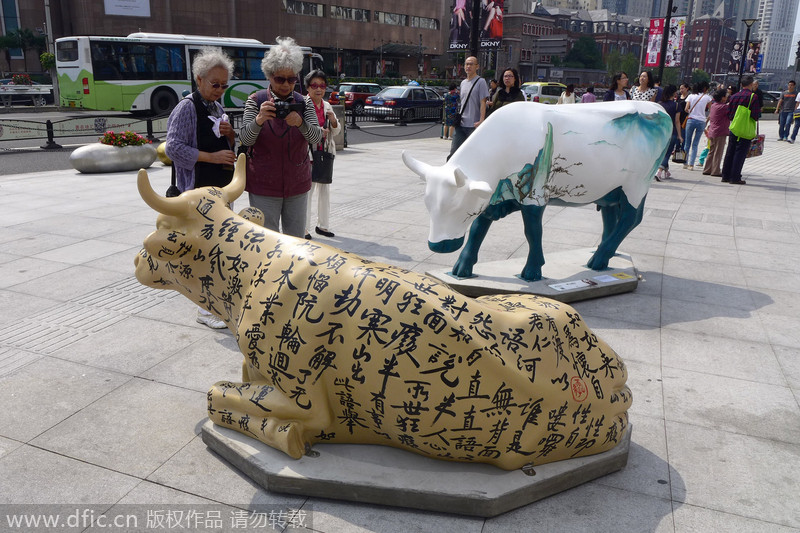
(280, 80)
(317, 85)
(219, 85)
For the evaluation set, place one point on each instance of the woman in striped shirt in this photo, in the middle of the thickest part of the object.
(279, 130)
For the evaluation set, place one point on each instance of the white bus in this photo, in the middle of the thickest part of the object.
(149, 72)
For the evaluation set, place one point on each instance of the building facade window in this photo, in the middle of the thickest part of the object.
(296, 7)
(396, 19)
(350, 13)
(425, 23)
(9, 13)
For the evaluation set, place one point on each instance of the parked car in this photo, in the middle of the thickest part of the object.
(770, 101)
(354, 95)
(12, 98)
(544, 92)
(405, 101)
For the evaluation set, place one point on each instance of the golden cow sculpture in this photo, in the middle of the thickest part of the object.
(344, 350)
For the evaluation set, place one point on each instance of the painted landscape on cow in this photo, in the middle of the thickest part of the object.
(339, 349)
(526, 156)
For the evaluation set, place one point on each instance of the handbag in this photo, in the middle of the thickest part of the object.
(322, 166)
(743, 125)
(679, 156)
(173, 190)
(756, 146)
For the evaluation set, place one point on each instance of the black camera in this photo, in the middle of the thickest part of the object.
(282, 109)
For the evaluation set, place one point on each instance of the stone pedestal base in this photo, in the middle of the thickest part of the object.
(566, 277)
(388, 476)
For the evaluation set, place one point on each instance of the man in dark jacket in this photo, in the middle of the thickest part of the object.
(737, 146)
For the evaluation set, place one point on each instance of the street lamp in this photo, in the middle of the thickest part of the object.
(748, 23)
(641, 48)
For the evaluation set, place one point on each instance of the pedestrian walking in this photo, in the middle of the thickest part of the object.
(697, 105)
(785, 110)
(472, 110)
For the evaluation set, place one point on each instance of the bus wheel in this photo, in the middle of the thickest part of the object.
(163, 102)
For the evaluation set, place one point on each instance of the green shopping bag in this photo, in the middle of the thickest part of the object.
(743, 125)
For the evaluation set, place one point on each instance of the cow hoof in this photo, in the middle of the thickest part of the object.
(596, 263)
(527, 275)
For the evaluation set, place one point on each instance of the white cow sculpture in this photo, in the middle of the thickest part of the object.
(528, 155)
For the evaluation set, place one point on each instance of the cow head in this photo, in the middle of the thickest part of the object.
(453, 201)
(186, 252)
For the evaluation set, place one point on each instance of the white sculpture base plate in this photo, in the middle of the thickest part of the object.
(566, 277)
(389, 476)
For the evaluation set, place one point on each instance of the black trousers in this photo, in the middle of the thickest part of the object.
(734, 158)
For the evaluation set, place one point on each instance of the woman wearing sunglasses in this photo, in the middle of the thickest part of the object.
(279, 166)
(200, 140)
(322, 162)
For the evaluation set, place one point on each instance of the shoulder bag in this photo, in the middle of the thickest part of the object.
(686, 118)
(743, 125)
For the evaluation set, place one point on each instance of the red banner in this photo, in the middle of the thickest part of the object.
(677, 26)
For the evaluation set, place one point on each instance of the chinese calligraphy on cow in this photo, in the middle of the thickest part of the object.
(341, 349)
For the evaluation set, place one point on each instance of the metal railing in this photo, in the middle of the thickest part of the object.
(400, 116)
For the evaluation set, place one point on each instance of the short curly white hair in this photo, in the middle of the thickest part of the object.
(285, 55)
(208, 58)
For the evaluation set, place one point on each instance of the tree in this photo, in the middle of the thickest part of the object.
(699, 75)
(584, 54)
(25, 39)
(628, 63)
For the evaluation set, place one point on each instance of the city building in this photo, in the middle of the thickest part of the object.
(355, 37)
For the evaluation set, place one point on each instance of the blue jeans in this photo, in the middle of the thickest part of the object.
(694, 129)
(796, 127)
(784, 124)
(673, 142)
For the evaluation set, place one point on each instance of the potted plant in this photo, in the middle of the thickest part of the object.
(115, 152)
(21, 79)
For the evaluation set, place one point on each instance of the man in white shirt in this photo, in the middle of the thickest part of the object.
(474, 93)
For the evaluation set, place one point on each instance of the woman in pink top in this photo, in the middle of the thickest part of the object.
(716, 133)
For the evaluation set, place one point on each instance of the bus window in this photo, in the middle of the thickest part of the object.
(67, 51)
(169, 62)
(105, 62)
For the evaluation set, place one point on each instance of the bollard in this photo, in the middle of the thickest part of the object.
(402, 120)
(150, 136)
(51, 143)
(353, 126)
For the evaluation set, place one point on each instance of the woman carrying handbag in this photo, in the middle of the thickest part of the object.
(322, 154)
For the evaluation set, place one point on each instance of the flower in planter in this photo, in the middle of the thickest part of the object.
(126, 138)
(21, 79)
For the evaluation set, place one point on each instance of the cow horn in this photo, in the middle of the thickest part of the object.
(235, 188)
(461, 178)
(166, 206)
(417, 167)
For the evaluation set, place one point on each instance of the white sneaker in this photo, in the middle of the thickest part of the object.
(667, 174)
(690, 167)
(210, 321)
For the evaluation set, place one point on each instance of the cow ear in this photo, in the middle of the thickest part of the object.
(481, 189)
(461, 178)
(417, 167)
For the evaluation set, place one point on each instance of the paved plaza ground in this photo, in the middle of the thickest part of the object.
(103, 381)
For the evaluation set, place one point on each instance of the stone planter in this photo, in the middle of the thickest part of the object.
(99, 157)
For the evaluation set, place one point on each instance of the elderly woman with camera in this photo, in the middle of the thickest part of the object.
(279, 124)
